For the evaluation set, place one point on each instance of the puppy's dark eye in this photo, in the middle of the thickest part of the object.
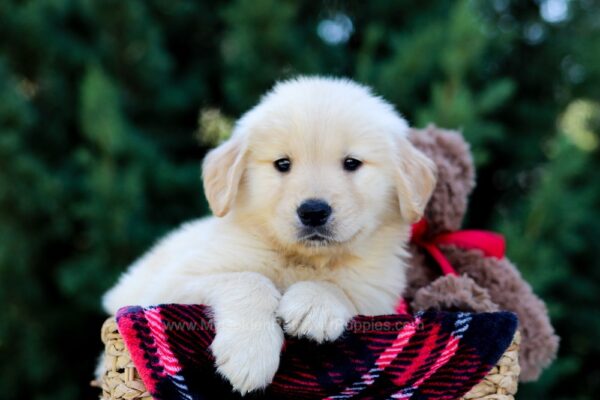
(351, 164)
(283, 164)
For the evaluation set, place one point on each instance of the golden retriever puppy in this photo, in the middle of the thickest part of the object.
(314, 195)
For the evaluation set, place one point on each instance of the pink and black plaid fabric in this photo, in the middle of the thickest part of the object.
(431, 355)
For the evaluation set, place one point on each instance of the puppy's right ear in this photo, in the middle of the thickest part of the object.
(222, 172)
(415, 180)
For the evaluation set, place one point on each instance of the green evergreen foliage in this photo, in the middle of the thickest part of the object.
(99, 107)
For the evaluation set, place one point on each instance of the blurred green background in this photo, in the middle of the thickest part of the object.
(99, 110)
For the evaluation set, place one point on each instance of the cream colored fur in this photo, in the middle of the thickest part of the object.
(251, 267)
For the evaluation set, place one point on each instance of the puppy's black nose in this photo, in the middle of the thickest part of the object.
(314, 212)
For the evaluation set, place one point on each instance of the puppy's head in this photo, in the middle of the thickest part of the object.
(318, 163)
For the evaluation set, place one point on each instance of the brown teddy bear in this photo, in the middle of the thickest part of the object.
(482, 282)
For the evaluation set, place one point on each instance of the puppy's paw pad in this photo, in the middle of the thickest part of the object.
(248, 360)
(319, 316)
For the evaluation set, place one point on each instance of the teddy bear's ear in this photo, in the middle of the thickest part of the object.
(455, 176)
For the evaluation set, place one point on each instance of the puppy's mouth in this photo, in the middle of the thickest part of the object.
(316, 237)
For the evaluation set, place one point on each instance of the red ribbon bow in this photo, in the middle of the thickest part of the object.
(490, 243)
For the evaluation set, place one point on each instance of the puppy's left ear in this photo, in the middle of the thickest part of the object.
(222, 172)
(415, 180)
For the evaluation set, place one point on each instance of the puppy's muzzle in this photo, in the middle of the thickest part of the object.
(314, 212)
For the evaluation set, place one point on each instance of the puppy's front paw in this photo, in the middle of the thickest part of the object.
(319, 311)
(248, 356)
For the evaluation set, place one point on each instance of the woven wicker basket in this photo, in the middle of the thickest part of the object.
(122, 381)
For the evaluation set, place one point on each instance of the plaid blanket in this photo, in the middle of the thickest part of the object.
(431, 355)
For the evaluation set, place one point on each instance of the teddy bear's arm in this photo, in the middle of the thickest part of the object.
(511, 292)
